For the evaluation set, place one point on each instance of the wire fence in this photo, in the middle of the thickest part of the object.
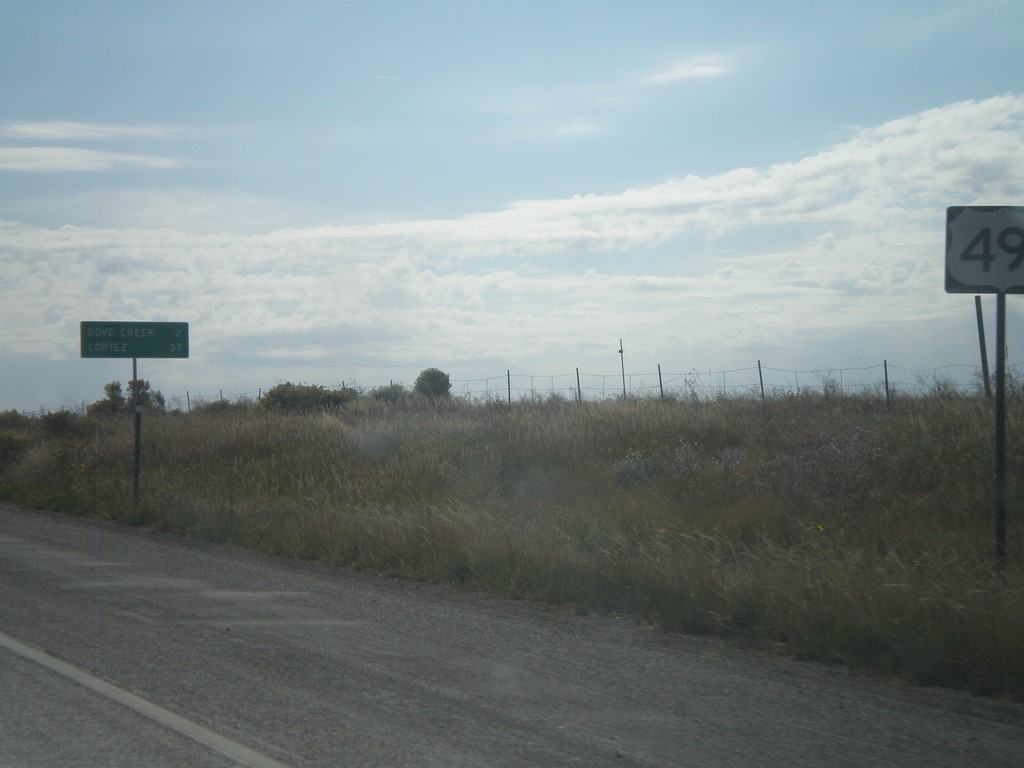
(758, 380)
(883, 380)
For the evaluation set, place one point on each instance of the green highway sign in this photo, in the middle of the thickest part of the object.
(115, 339)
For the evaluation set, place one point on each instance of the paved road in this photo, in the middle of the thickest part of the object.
(119, 646)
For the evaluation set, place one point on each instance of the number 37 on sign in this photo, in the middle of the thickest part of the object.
(985, 249)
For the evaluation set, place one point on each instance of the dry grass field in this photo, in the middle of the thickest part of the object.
(835, 528)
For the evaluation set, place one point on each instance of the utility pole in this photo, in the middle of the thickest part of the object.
(622, 359)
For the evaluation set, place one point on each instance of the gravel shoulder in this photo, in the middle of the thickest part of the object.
(314, 665)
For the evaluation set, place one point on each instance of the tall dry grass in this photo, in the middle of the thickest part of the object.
(838, 528)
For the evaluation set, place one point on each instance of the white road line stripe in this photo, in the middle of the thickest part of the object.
(232, 749)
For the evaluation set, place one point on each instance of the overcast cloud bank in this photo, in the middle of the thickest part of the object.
(836, 260)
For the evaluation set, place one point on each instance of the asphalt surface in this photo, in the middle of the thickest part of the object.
(119, 646)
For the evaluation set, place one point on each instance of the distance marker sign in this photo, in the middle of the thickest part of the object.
(985, 249)
(115, 339)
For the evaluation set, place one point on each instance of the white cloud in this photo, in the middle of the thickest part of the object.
(895, 173)
(165, 207)
(575, 110)
(71, 159)
(44, 157)
(64, 130)
(692, 68)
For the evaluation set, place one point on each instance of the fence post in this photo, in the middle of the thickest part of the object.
(660, 385)
(885, 367)
(760, 377)
(508, 375)
(579, 389)
(622, 359)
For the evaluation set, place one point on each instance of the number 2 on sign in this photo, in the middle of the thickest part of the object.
(1010, 240)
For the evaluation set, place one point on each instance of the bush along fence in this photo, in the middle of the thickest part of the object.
(884, 380)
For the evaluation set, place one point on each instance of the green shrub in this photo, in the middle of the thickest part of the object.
(63, 424)
(14, 420)
(222, 406)
(393, 394)
(12, 447)
(305, 398)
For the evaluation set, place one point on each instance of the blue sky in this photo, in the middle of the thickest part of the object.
(334, 192)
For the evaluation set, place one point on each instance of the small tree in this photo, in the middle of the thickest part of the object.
(114, 402)
(433, 384)
(148, 397)
(117, 402)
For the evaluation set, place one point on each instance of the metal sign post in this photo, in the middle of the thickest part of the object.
(985, 254)
(984, 348)
(1001, 427)
(137, 409)
(134, 340)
